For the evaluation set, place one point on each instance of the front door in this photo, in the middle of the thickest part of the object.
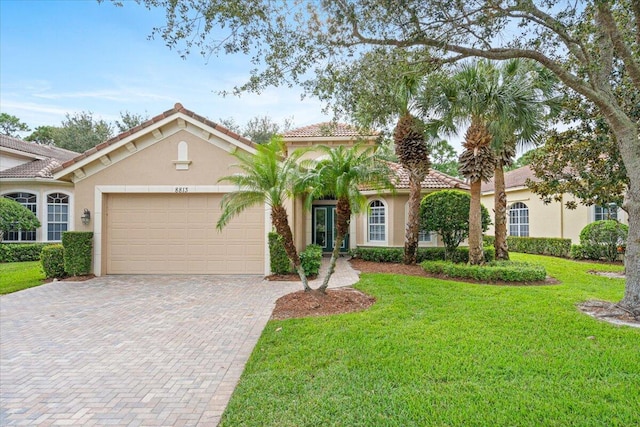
(324, 228)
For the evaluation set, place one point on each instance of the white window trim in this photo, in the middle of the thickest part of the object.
(519, 223)
(384, 242)
(434, 235)
(593, 212)
(44, 221)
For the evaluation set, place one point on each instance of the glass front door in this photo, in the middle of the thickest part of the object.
(324, 228)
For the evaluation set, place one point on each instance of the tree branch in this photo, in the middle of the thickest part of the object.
(612, 31)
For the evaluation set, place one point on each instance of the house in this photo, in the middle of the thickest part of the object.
(151, 197)
(529, 216)
(26, 177)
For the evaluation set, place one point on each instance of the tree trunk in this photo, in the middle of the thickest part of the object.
(476, 255)
(343, 216)
(500, 203)
(628, 143)
(280, 221)
(413, 221)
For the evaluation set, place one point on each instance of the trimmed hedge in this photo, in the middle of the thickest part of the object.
(19, 252)
(507, 271)
(311, 259)
(396, 255)
(279, 261)
(536, 245)
(52, 260)
(77, 252)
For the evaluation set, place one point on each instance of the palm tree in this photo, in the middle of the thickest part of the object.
(530, 88)
(471, 95)
(413, 154)
(269, 178)
(503, 109)
(341, 173)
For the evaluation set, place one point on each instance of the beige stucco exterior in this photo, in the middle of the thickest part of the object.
(144, 176)
(549, 220)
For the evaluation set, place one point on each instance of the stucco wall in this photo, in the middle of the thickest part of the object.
(550, 220)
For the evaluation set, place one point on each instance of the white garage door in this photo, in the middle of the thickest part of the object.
(176, 234)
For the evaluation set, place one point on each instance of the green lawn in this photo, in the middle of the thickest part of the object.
(440, 353)
(15, 276)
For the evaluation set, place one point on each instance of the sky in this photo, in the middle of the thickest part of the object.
(63, 57)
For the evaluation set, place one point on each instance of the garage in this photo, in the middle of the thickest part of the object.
(176, 234)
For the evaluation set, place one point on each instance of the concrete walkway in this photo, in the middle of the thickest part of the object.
(132, 350)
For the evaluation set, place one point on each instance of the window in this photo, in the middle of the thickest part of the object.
(29, 201)
(377, 221)
(424, 236)
(519, 220)
(606, 212)
(57, 215)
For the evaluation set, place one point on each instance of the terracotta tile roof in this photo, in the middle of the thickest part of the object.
(512, 179)
(435, 180)
(47, 158)
(177, 108)
(327, 129)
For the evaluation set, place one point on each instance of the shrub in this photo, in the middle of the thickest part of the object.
(395, 255)
(280, 263)
(507, 271)
(447, 212)
(600, 239)
(77, 252)
(540, 245)
(52, 259)
(14, 216)
(19, 252)
(311, 259)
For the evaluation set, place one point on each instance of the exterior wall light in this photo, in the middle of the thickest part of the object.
(86, 216)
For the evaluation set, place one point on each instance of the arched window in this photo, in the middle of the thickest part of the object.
(57, 215)
(377, 222)
(29, 201)
(519, 220)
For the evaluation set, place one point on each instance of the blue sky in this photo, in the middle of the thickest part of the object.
(59, 57)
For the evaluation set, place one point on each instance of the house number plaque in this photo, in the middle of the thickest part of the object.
(181, 189)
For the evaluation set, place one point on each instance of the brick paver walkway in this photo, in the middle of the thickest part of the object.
(132, 350)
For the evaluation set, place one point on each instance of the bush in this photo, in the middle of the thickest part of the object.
(311, 260)
(540, 245)
(507, 271)
(52, 259)
(601, 239)
(280, 263)
(19, 252)
(447, 212)
(77, 252)
(396, 255)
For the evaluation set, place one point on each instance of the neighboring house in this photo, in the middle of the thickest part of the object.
(26, 177)
(154, 200)
(529, 216)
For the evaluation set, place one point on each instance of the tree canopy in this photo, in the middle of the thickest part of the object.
(11, 125)
(14, 216)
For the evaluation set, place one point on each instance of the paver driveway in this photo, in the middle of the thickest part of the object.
(129, 350)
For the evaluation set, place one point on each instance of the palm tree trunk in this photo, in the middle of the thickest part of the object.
(476, 255)
(413, 222)
(500, 203)
(343, 216)
(280, 221)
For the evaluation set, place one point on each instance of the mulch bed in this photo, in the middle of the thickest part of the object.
(609, 312)
(416, 270)
(72, 278)
(313, 303)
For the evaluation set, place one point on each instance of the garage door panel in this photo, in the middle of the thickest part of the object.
(176, 234)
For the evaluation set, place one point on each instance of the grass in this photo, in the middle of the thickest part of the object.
(16, 276)
(442, 353)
